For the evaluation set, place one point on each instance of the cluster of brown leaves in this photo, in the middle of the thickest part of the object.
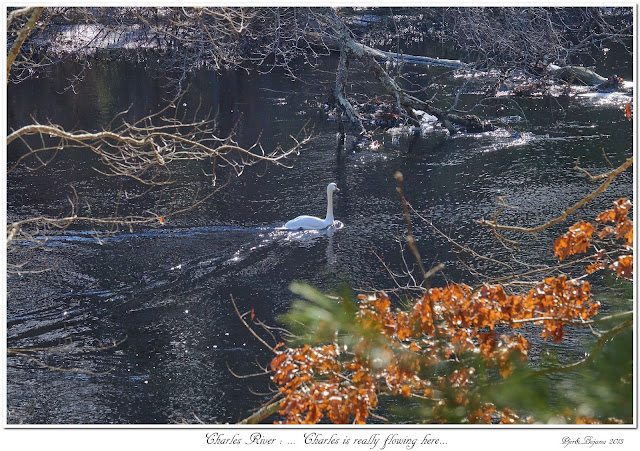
(486, 413)
(396, 345)
(418, 351)
(613, 225)
(312, 380)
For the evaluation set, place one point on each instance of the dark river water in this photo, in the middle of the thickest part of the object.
(166, 290)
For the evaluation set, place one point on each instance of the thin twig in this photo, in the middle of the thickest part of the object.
(249, 327)
(407, 218)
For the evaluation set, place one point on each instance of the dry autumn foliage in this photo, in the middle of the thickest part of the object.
(613, 225)
(422, 351)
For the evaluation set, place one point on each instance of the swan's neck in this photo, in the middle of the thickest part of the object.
(329, 218)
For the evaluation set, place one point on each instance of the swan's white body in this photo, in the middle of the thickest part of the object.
(306, 222)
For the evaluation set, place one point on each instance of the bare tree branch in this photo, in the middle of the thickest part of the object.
(22, 34)
(493, 224)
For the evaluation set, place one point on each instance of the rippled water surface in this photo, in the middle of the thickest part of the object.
(166, 290)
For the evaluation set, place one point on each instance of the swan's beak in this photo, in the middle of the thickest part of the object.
(337, 189)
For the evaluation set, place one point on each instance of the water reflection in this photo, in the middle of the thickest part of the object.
(306, 237)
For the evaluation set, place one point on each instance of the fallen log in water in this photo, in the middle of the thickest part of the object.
(576, 73)
(413, 59)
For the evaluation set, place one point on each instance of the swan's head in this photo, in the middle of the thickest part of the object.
(331, 187)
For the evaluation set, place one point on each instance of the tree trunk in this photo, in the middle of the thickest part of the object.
(341, 79)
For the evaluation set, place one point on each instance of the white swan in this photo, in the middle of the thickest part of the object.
(311, 222)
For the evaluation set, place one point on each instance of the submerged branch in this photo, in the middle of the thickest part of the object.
(25, 352)
(62, 369)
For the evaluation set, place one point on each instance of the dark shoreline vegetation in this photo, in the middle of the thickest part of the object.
(480, 269)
